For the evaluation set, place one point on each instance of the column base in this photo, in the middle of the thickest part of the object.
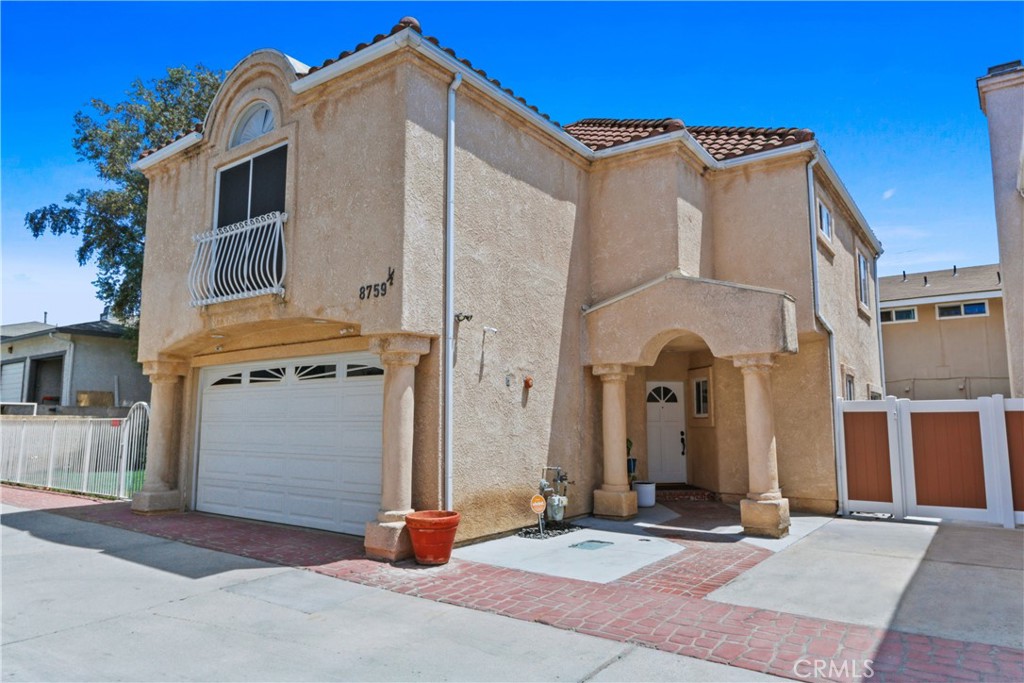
(387, 541)
(156, 501)
(615, 504)
(769, 518)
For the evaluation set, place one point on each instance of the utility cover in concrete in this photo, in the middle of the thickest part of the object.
(623, 554)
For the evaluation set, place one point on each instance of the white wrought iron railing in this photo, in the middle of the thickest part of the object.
(238, 261)
(104, 456)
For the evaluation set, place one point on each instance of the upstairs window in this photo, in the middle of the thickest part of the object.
(967, 309)
(824, 220)
(863, 279)
(899, 315)
(257, 121)
(252, 188)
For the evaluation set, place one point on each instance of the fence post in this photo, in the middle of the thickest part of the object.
(87, 458)
(840, 427)
(53, 452)
(21, 453)
(901, 448)
(996, 453)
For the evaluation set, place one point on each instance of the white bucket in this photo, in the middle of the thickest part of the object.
(644, 493)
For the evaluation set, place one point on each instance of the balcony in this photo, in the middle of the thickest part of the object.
(239, 261)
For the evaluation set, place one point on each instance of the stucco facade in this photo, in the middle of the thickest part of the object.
(1001, 93)
(578, 276)
(944, 334)
(88, 365)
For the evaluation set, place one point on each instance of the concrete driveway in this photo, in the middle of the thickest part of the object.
(955, 581)
(87, 602)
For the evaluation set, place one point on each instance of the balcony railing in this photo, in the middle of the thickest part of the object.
(238, 261)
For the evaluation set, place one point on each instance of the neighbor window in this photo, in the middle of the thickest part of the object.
(899, 315)
(700, 398)
(863, 279)
(964, 310)
(824, 220)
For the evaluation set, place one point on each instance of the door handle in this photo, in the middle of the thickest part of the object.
(682, 441)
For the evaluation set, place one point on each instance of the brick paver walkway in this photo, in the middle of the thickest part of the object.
(642, 608)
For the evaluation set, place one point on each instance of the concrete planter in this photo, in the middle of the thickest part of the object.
(645, 493)
(432, 533)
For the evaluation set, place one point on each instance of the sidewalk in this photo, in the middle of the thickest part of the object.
(662, 606)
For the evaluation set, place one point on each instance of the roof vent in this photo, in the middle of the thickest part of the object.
(926, 281)
(999, 278)
(954, 271)
(904, 276)
(410, 22)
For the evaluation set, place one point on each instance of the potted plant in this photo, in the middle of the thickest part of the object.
(432, 533)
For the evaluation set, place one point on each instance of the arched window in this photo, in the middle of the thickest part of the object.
(257, 120)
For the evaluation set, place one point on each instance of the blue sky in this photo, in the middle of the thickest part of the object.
(889, 89)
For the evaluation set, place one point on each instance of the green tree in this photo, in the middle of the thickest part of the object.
(112, 220)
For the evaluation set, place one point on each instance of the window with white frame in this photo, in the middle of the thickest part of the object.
(256, 121)
(967, 309)
(863, 280)
(824, 220)
(850, 387)
(252, 187)
(700, 397)
(899, 315)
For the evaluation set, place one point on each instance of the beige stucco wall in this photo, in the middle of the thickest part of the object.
(854, 324)
(1002, 100)
(947, 358)
(540, 233)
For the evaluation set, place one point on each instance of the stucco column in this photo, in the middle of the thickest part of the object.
(160, 484)
(764, 512)
(614, 499)
(386, 538)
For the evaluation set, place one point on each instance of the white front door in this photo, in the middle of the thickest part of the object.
(666, 432)
(295, 441)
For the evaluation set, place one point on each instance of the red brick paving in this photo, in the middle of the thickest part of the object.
(641, 608)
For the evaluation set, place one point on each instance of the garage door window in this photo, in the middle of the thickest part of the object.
(269, 375)
(355, 370)
(309, 373)
(228, 380)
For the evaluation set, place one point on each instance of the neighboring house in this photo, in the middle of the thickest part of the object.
(700, 290)
(1001, 93)
(64, 368)
(943, 334)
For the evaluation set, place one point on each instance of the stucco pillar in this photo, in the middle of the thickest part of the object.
(160, 483)
(764, 512)
(386, 538)
(614, 498)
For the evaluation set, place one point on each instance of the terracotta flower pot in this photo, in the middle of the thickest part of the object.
(432, 533)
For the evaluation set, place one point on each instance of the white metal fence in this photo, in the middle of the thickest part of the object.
(239, 260)
(103, 456)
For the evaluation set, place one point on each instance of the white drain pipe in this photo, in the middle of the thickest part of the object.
(449, 291)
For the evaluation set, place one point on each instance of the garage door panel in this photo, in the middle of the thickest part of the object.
(304, 452)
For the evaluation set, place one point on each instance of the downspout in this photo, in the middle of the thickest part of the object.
(449, 291)
(816, 288)
(878, 328)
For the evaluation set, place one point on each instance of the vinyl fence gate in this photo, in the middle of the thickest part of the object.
(103, 456)
(957, 459)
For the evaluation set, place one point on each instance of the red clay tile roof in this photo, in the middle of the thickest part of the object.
(198, 128)
(603, 133)
(726, 142)
(721, 142)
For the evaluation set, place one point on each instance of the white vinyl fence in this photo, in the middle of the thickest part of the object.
(103, 456)
(956, 459)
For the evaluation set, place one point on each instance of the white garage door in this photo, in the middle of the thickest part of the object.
(11, 376)
(294, 441)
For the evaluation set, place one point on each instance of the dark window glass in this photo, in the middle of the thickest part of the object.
(886, 316)
(234, 195)
(363, 371)
(906, 314)
(949, 311)
(230, 379)
(266, 375)
(268, 180)
(975, 308)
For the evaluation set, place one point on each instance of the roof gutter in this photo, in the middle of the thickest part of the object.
(179, 145)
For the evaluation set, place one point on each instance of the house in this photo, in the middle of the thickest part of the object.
(70, 369)
(387, 283)
(1001, 94)
(943, 335)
